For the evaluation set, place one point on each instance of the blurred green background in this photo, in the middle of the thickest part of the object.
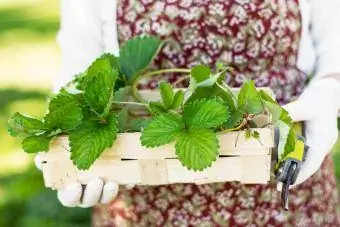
(29, 60)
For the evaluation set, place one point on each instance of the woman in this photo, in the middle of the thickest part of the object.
(274, 42)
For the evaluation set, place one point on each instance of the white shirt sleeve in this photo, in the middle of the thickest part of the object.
(325, 32)
(79, 37)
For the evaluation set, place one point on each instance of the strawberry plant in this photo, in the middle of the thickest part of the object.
(101, 102)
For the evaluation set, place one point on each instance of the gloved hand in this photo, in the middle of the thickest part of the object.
(318, 107)
(95, 192)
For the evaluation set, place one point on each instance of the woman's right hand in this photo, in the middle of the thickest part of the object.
(95, 192)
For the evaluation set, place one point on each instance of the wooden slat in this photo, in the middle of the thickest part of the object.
(58, 174)
(246, 169)
(153, 172)
(128, 146)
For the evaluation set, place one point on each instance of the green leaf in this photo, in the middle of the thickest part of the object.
(213, 91)
(35, 144)
(162, 130)
(157, 108)
(167, 94)
(205, 113)
(249, 98)
(114, 61)
(64, 112)
(121, 94)
(178, 100)
(136, 125)
(100, 82)
(137, 53)
(235, 119)
(286, 139)
(210, 81)
(197, 148)
(284, 117)
(291, 141)
(79, 81)
(20, 125)
(121, 80)
(90, 139)
(255, 134)
(122, 120)
(200, 73)
(282, 120)
(247, 133)
(220, 66)
(273, 107)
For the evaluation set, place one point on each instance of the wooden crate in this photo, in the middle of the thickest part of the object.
(128, 162)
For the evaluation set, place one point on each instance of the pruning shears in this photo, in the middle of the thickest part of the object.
(288, 168)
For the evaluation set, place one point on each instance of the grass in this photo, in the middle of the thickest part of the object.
(29, 61)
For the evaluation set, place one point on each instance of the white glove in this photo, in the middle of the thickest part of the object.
(96, 191)
(318, 106)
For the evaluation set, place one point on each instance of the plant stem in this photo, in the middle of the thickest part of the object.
(131, 103)
(180, 80)
(135, 94)
(161, 71)
(244, 122)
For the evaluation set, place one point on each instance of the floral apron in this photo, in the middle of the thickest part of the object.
(260, 40)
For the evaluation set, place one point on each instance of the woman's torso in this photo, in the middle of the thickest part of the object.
(260, 40)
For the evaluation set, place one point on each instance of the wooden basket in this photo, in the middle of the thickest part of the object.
(128, 162)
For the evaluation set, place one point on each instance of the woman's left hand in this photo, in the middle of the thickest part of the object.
(318, 108)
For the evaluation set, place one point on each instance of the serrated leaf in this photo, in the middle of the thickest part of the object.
(137, 53)
(235, 119)
(249, 99)
(79, 81)
(197, 148)
(205, 113)
(282, 120)
(162, 130)
(178, 100)
(121, 80)
(35, 144)
(99, 85)
(167, 94)
(21, 125)
(90, 139)
(210, 92)
(64, 112)
(200, 73)
(157, 108)
(114, 61)
(286, 139)
(284, 117)
(273, 107)
(137, 125)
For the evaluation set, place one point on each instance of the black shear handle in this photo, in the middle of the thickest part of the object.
(286, 184)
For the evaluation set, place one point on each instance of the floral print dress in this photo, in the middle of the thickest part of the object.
(260, 40)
